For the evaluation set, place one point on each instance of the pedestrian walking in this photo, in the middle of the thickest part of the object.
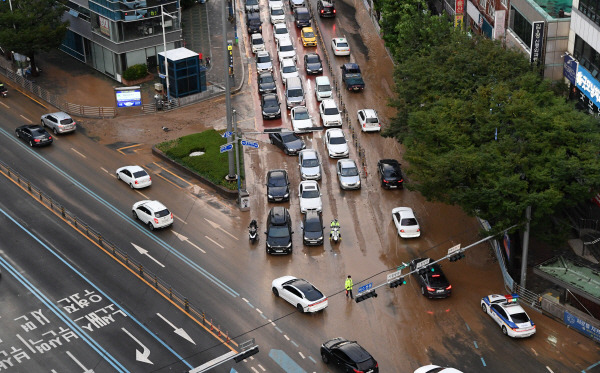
(349, 284)
(207, 61)
(200, 57)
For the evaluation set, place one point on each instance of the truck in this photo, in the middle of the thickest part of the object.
(351, 77)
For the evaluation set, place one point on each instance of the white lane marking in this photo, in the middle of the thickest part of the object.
(27, 119)
(78, 153)
(286, 337)
(6, 106)
(213, 241)
(143, 195)
(180, 219)
(550, 370)
(105, 170)
(261, 367)
(245, 300)
(143, 251)
(301, 355)
(217, 226)
(259, 311)
(254, 369)
(535, 352)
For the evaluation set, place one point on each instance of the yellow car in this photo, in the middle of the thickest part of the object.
(309, 39)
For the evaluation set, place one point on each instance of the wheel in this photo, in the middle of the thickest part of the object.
(423, 290)
(150, 226)
(131, 185)
(504, 330)
(324, 358)
(275, 292)
(43, 124)
(31, 143)
(300, 308)
(118, 176)
(55, 131)
(484, 308)
(134, 214)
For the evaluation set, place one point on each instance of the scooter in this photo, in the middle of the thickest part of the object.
(253, 231)
(335, 235)
(3, 90)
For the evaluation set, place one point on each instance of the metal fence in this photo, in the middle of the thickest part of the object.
(117, 254)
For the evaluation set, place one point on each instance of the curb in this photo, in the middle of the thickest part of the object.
(223, 192)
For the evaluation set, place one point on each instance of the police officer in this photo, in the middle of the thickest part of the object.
(349, 284)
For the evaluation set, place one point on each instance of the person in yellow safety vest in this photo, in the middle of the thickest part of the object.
(335, 223)
(349, 284)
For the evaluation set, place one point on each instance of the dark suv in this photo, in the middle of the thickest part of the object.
(301, 17)
(253, 23)
(312, 228)
(326, 8)
(348, 356)
(279, 231)
(391, 174)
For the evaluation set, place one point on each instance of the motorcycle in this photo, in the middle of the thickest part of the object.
(253, 231)
(335, 235)
(3, 90)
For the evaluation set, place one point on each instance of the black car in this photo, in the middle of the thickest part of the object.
(278, 186)
(391, 174)
(302, 17)
(312, 228)
(34, 135)
(266, 83)
(326, 8)
(279, 231)
(287, 141)
(348, 356)
(270, 106)
(433, 282)
(253, 23)
(313, 64)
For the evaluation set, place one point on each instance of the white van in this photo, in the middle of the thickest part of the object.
(294, 93)
(322, 88)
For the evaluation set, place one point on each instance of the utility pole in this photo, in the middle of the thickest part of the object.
(227, 48)
(525, 247)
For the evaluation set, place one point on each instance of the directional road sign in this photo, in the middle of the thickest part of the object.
(227, 134)
(226, 148)
(422, 263)
(454, 249)
(392, 276)
(364, 288)
(252, 144)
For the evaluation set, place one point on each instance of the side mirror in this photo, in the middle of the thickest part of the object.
(292, 232)
(265, 232)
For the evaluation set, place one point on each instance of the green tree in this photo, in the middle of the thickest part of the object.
(32, 26)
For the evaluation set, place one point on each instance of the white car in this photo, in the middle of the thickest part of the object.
(506, 312)
(134, 176)
(277, 14)
(257, 42)
(322, 88)
(348, 174)
(436, 369)
(285, 49)
(264, 62)
(301, 119)
(152, 213)
(406, 222)
(310, 164)
(309, 195)
(288, 69)
(330, 114)
(340, 47)
(300, 293)
(337, 147)
(368, 120)
(280, 31)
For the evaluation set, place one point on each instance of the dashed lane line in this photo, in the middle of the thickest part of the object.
(27, 119)
(78, 153)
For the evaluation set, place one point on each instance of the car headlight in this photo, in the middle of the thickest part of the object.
(286, 195)
(288, 245)
(268, 244)
(270, 196)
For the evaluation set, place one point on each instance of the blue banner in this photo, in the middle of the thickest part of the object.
(582, 326)
(588, 85)
(570, 68)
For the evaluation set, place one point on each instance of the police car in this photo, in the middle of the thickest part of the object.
(507, 312)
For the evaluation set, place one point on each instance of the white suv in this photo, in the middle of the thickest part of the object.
(330, 114)
(288, 69)
(285, 49)
(257, 42)
(152, 213)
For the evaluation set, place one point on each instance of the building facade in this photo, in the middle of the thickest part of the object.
(110, 35)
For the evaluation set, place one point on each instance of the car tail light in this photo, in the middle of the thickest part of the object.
(334, 11)
(418, 229)
(402, 230)
(449, 287)
(435, 276)
(357, 371)
(385, 181)
(136, 182)
(401, 180)
(36, 140)
(156, 220)
(171, 216)
(322, 11)
(430, 289)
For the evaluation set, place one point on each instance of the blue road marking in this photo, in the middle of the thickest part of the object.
(250, 304)
(279, 330)
(483, 362)
(99, 291)
(475, 342)
(233, 371)
(294, 343)
(285, 362)
(130, 220)
(313, 360)
(590, 367)
(468, 328)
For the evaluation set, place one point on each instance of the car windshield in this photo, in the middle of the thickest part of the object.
(365, 365)
(267, 79)
(279, 232)
(310, 193)
(407, 222)
(270, 102)
(324, 88)
(257, 41)
(289, 69)
(263, 59)
(288, 138)
(312, 294)
(520, 317)
(331, 111)
(277, 11)
(309, 35)
(436, 279)
(66, 121)
(38, 132)
(303, 16)
(286, 48)
(295, 92)
(337, 140)
(342, 44)
(139, 174)
(349, 171)
(312, 59)
(251, 2)
(277, 181)
(254, 21)
(162, 213)
(313, 162)
(301, 114)
(281, 31)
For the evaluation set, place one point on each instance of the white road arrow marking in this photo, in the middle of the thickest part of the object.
(217, 226)
(184, 238)
(179, 331)
(140, 356)
(85, 370)
(145, 252)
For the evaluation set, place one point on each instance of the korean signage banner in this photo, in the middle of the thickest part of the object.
(537, 42)
(588, 85)
(104, 25)
(581, 326)
(128, 96)
(570, 68)
(499, 24)
(459, 11)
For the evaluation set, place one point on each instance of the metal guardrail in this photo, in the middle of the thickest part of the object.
(117, 254)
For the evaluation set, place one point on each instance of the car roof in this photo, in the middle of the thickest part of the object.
(270, 97)
(309, 153)
(134, 168)
(256, 35)
(253, 15)
(405, 212)
(285, 40)
(347, 163)
(354, 351)
(301, 10)
(299, 109)
(280, 25)
(335, 132)
(60, 115)
(277, 173)
(309, 184)
(350, 65)
(312, 215)
(340, 39)
(262, 54)
(288, 61)
(278, 215)
(388, 161)
(322, 79)
(307, 29)
(155, 205)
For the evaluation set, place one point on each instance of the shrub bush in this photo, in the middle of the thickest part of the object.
(135, 72)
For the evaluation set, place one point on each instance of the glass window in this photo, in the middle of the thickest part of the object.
(522, 27)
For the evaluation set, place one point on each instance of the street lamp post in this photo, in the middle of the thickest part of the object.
(162, 15)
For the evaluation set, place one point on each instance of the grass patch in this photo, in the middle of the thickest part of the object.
(213, 165)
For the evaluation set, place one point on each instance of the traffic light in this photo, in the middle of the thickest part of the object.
(457, 256)
(367, 295)
(398, 282)
(245, 354)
